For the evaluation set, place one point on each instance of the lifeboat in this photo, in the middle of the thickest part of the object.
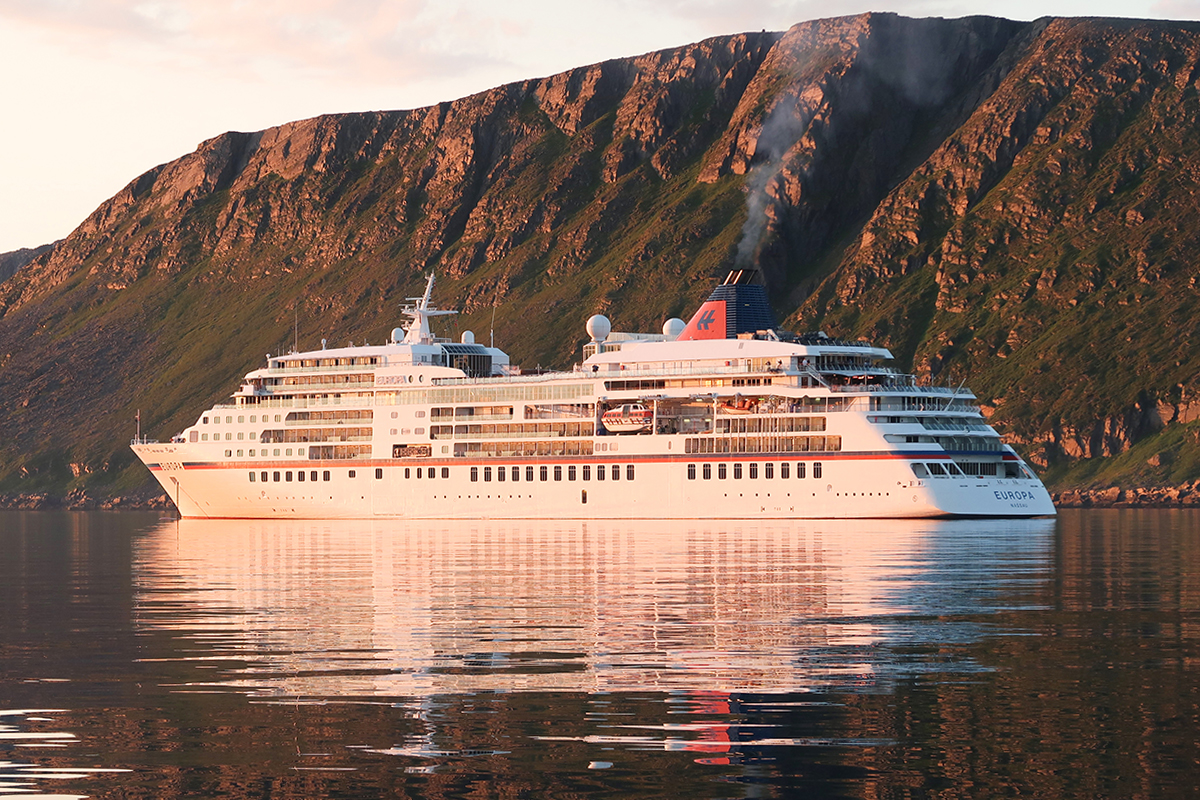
(628, 418)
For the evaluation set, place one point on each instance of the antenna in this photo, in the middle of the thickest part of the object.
(296, 330)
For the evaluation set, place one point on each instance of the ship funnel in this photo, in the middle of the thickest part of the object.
(738, 305)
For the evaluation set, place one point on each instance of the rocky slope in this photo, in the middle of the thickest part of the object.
(1002, 200)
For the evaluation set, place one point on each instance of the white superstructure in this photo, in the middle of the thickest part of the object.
(763, 425)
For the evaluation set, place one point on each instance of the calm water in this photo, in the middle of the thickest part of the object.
(1046, 659)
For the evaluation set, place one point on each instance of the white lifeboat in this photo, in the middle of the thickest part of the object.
(627, 418)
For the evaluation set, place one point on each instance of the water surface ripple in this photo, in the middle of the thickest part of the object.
(1045, 658)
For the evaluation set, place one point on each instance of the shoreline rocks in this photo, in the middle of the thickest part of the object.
(82, 500)
(1186, 495)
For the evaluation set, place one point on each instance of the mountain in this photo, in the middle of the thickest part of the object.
(1000, 202)
(13, 261)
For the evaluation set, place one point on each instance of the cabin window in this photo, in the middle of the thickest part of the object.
(487, 474)
(239, 453)
(254, 418)
(571, 473)
(783, 471)
(263, 475)
(252, 477)
(768, 471)
(432, 473)
(446, 472)
(816, 469)
(557, 472)
(418, 472)
(800, 469)
(934, 469)
(287, 476)
(408, 474)
(205, 420)
(275, 476)
(529, 474)
(737, 471)
(616, 472)
(691, 472)
(516, 474)
(378, 473)
(754, 471)
(241, 419)
(629, 472)
(325, 476)
(276, 451)
(721, 471)
(587, 472)
(601, 472)
(474, 474)
(312, 476)
(204, 437)
(544, 473)
(253, 436)
(501, 473)
(707, 471)
(353, 474)
(288, 452)
(300, 476)
(229, 420)
(229, 454)
(193, 436)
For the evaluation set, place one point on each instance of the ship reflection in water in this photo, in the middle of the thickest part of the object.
(337, 609)
(1039, 658)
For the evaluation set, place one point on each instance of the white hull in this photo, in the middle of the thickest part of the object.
(850, 487)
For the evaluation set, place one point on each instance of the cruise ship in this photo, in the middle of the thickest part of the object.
(724, 416)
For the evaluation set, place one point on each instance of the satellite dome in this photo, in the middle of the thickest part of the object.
(598, 327)
(468, 337)
(673, 327)
(397, 335)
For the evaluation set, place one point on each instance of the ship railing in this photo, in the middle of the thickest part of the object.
(142, 440)
(292, 402)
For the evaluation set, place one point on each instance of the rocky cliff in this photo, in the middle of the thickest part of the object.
(1005, 201)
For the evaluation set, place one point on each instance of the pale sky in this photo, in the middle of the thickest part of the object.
(96, 92)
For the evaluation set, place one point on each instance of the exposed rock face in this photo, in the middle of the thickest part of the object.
(989, 198)
(11, 262)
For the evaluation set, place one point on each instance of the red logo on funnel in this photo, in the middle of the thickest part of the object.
(707, 323)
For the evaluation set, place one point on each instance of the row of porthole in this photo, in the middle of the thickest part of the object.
(768, 470)
(286, 476)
